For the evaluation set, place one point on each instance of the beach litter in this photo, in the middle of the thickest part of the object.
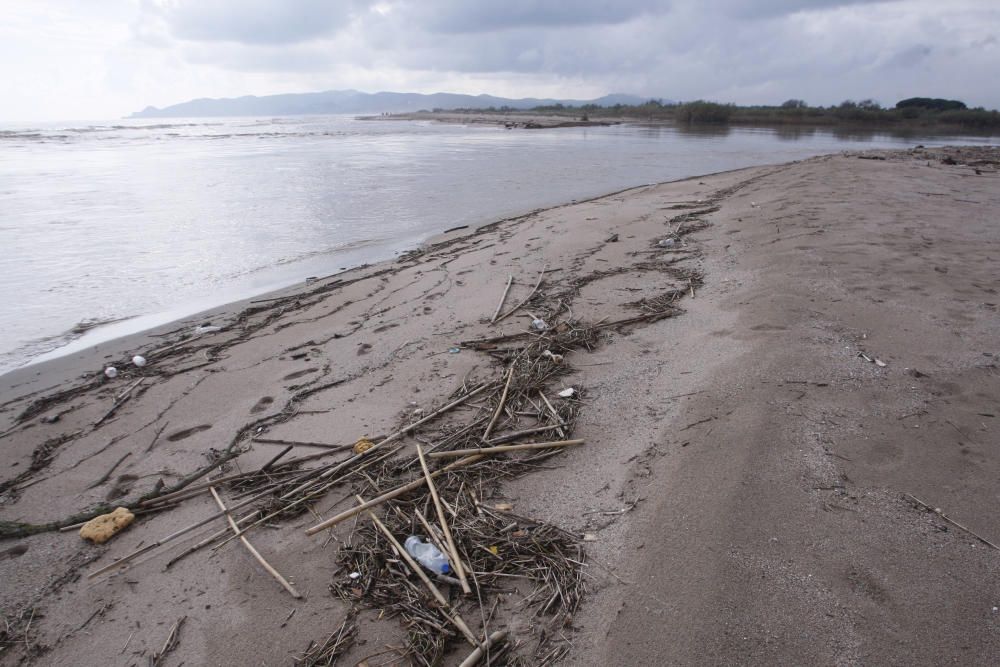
(111, 372)
(139, 360)
(539, 325)
(206, 328)
(666, 243)
(102, 528)
(567, 393)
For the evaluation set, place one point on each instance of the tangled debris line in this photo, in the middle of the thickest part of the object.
(493, 428)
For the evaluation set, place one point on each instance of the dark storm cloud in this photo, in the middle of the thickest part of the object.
(258, 21)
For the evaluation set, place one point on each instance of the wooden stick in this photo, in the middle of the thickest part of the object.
(503, 297)
(299, 443)
(477, 654)
(453, 550)
(276, 458)
(950, 520)
(528, 431)
(208, 540)
(419, 571)
(389, 495)
(552, 410)
(503, 399)
(253, 552)
(304, 498)
(526, 299)
(486, 451)
(174, 535)
(111, 471)
(121, 400)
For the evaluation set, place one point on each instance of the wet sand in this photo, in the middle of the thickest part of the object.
(744, 475)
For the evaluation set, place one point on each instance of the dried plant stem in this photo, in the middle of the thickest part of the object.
(418, 570)
(486, 451)
(253, 552)
(552, 411)
(389, 495)
(534, 289)
(456, 560)
(503, 399)
(503, 297)
(477, 654)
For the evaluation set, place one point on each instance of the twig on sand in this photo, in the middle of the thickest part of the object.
(173, 638)
(208, 540)
(120, 400)
(450, 614)
(503, 399)
(299, 443)
(253, 552)
(503, 297)
(456, 560)
(486, 451)
(937, 510)
(534, 289)
(477, 654)
(389, 495)
(110, 472)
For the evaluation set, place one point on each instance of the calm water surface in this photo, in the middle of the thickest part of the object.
(153, 220)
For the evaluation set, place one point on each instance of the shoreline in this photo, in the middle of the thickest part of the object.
(738, 496)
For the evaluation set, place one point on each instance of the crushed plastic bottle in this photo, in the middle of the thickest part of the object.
(206, 328)
(427, 555)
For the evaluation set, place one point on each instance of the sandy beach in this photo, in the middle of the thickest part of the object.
(776, 371)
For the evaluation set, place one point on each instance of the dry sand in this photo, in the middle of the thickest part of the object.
(744, 472)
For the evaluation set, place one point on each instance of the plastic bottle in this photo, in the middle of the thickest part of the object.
(427, 555)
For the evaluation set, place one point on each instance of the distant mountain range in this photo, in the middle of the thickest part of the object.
(354, 101)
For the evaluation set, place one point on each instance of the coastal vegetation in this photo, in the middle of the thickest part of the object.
(912, 112)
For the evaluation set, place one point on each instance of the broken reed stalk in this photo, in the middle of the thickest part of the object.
(253, 552)
(486, 451)
(174, 535)
(477, 654)
(503, 297)
(120, 400)
(552, 411)
(503, 399)
(389, 495)
(208, 540)
(304, 498)
(459, 567)
(170, 644)
(534, 289)
(276, 458)
(947, 518)
(300, 443)
(528, 431)
(447, 610)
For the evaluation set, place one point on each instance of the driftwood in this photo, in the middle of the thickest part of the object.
(389, 495)
(503, 297)
(503, 399)
(453, 616)
(486, 451)
(456, 560)
(253, 552)
(478, 653)
(525, 300)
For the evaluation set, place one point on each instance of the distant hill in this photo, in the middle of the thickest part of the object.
(354, 101)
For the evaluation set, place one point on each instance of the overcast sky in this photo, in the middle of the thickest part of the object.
(100, 59)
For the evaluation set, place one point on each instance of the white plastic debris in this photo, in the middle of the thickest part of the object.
(539, 325)
(207, 328)
(666, 243)
(111, 372)
(354, 575)
(567, 393)
(139, 360)
(880, 363)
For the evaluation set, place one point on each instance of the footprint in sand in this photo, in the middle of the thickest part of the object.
(364, 348)
(188, 432)
(262, 404)
(14, 552)
(297, 374)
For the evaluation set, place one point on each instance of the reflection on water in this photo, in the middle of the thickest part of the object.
(104, 221)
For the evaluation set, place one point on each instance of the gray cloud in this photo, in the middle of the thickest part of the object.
(750, 51)
(257, 21)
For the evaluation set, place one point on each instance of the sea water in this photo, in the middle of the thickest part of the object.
(148, 220)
